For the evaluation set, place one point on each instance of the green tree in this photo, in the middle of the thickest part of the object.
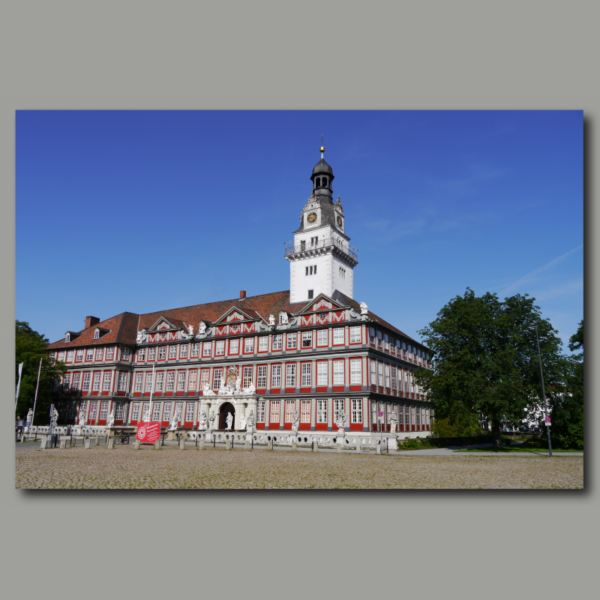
(485, 359)
(567, 408)
(30, 346)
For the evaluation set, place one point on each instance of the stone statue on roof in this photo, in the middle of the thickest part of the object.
(283, 319)
(141, 336)
(271, 320)
(202, 329)
(191, 330)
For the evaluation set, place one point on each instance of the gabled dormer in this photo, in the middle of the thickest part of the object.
(164, 325)
(70, 336)
(321, 303)
(100, 332)
(234, 315)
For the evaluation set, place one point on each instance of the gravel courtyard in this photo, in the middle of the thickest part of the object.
(171, 468)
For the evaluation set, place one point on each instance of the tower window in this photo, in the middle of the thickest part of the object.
(324, 182)
(314, 241)
(342, 273)
(310, 294)
(318, 182)
(302, 245)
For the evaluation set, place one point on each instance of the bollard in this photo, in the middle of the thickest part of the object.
(63, 444)
(88, 441)
(378, 448)
(338, 447)
(247, 445)
(43, 444)
(358, 446)
(200, 445)
(294, 445)
(315, 446)
(182, 443)
(96, 441)
(137, 445)
(270, 444)
(111, 443)
(157, 445)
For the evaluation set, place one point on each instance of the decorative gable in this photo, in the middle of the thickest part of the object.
(321, 303)
(235, 316)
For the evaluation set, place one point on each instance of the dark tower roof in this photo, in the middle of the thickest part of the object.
(322, 167)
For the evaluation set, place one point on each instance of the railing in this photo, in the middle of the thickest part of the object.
(322, 244)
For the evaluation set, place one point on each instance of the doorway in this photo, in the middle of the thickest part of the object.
(225, 409)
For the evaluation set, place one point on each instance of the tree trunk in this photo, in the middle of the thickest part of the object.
(497, 440)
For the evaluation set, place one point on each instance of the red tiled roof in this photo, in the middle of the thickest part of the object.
(124, 327)
(379, 320)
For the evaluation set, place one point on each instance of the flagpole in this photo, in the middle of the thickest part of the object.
(37, 387)
(18, 385)
(151, 394)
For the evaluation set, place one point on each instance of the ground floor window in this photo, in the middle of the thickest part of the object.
(338, 405)
(275, 408)
(104, 410)
(135, 415)
(189, 412)
(357, 410)
(401, 416)
(321, 411)
(119, 411)
(305, 411)
(290, 407)
(156, 412)
(93, 408)
(260, 410)
(167, 412)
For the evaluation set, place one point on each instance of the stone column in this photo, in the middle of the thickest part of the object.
(267, 413)
(281, 413)
(329, 413)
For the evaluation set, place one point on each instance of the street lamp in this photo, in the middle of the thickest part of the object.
(543, 390)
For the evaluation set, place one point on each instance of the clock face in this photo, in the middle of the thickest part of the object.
(312, 217)
(339, 222)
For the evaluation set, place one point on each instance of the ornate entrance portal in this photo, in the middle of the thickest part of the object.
(225, 409)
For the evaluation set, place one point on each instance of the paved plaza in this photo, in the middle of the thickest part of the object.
(172, 468)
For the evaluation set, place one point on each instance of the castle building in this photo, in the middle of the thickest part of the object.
(312, 353)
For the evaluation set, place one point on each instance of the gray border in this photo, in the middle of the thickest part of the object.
(454, 55)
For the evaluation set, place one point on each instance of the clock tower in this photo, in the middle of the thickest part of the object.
(321, 259)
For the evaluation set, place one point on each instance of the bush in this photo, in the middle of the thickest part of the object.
(414, 444)
(467, 426)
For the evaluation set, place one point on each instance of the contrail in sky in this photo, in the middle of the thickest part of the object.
(547, 266)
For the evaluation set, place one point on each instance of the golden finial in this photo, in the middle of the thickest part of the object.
(322, 147)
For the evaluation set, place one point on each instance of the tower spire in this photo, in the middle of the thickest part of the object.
(322, 149)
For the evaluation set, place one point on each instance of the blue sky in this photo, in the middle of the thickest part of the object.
(141, 211)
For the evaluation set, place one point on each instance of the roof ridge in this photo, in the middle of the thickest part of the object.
(215, 302)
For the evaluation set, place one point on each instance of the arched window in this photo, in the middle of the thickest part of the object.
(318, 182)
(324, 181)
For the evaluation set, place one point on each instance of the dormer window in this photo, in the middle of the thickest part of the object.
(67, 338)
(97, 334)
